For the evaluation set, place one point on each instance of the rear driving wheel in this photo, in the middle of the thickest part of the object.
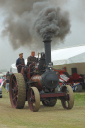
(17, 90)
(33, 99)
(68, 100)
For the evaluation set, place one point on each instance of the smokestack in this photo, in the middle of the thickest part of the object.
(47, 44)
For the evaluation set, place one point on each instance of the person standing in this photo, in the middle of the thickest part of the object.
(7, 84)
(8, 75)
(31, 59)
(20, 62)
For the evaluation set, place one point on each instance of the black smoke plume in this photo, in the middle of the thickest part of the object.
(52, 22)
(28, 21)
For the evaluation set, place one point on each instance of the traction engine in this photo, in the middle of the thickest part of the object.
(38, 82)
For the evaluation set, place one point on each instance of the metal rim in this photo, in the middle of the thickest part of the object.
(68, 101)
(33, 99)
(17, 90)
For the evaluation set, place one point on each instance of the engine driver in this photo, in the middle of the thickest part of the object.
(31, 59)
(20, 62)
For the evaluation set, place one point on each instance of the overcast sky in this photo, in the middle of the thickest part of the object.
(76, 10)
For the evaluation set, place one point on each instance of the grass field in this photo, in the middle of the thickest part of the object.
(46, 117)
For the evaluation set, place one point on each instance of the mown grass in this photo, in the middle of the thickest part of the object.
(79, 99)
(47, 117)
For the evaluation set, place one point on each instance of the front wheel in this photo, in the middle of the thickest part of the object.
(68, 100)
(33, 97)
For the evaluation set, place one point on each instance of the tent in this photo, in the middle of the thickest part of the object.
(68, 55)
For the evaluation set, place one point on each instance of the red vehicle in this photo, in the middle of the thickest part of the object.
(75, 81)
(38, 82)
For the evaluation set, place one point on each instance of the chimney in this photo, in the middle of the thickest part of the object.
(47, 44)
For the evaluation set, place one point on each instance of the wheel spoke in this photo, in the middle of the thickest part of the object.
(14, 81)
(67, 97)
(15, 97)
(31, 93)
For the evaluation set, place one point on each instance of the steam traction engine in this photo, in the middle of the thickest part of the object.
(38, 82)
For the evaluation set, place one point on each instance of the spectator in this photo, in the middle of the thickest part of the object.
(7, 84)
(4, 77)
(7, 75)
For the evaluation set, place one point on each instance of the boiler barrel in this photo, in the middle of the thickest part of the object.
(48, 80)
